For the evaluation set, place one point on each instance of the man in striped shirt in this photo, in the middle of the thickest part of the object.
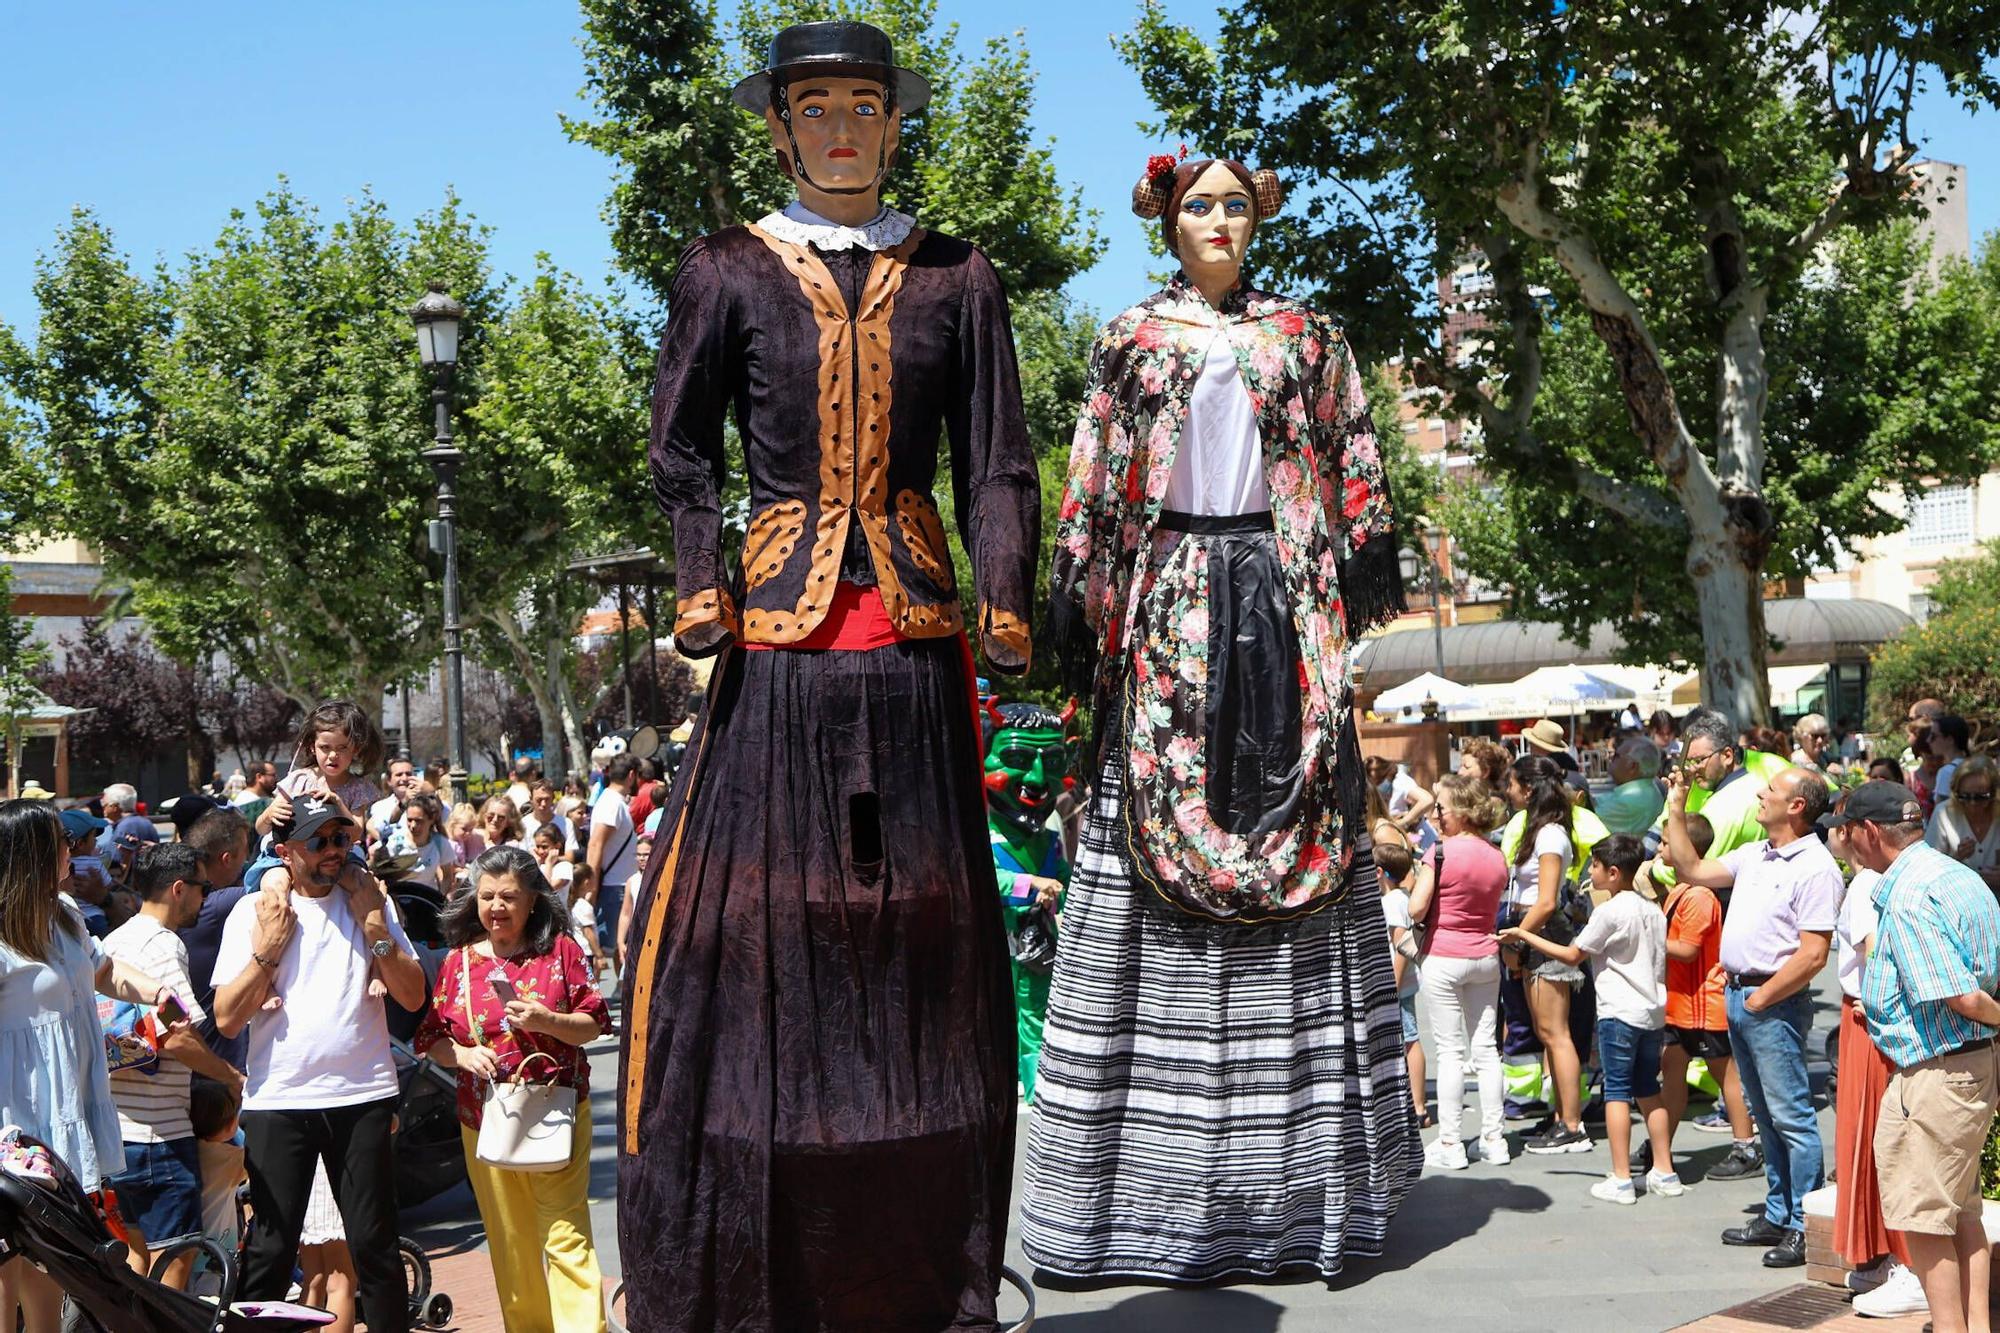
(1928, 995)
(159, 1191)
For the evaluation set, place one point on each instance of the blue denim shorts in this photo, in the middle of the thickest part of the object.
(1408, 1005)
(159, 1191)
(1631, 1059)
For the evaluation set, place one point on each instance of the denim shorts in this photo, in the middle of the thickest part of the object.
(1631, 1059)
(1408, 1005)
(159, 1191)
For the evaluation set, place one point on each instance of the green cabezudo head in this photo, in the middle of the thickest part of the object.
(1027, 764)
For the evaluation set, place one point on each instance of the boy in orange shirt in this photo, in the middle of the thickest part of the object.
(1697, 1023)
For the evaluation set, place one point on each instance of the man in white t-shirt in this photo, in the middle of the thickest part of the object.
(322, 1080)
(540, 810)
(614, 852)
(159, 1191)
(404, 782)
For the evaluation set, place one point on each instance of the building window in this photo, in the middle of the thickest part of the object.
(1920, 607)
(1941, 516)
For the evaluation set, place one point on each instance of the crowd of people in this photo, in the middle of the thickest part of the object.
(1668, 930)
(251, 962)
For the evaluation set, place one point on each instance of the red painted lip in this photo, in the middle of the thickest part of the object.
(1222, 241)
(842, 152)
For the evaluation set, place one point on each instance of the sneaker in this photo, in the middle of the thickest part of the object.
(1613, 1190)
(1665, 1184)
(1443, 1156)
(1493, 1150)
(1715, 1122)
(1745, 1160)
(1900, 1293)
(1558, 1139)
(1874, 1275)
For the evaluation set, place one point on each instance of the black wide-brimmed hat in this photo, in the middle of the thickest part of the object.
(840, 49)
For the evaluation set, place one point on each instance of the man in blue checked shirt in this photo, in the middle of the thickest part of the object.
(1928, 995)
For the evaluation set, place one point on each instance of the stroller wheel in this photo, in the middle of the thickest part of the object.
(416, 1274)
(438, 1313)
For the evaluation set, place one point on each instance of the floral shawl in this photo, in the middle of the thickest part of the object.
(1330, 508)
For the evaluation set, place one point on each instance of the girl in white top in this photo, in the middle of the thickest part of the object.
(1535, 903)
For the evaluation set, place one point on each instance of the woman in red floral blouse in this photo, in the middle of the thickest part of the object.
(512, 929)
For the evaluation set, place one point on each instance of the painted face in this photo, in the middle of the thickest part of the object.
(1215, 222)
(1026, 768)
(842, 132)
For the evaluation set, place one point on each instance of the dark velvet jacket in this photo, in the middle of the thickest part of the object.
(840, 370)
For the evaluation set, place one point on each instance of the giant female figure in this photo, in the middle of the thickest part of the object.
(817, 1113)
(1222, 1087)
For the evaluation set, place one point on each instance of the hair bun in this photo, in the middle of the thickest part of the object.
(1269, 192)
(1150, 195)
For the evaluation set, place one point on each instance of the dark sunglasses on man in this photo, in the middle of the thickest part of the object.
(340, 840)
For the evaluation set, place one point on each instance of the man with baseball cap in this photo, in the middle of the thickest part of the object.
(1928, 996)
(300, 960)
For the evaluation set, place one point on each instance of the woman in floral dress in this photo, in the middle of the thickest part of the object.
(1222, 1086)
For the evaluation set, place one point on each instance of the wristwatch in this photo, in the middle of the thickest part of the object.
(381, 948)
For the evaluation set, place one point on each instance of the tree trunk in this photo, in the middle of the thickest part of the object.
(579, 749)
(555, 760)
(1729, 597)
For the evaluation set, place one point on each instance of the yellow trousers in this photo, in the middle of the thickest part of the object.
(537, 1216)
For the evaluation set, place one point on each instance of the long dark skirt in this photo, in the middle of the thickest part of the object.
(824, 1107)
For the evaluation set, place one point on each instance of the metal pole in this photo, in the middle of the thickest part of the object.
(652, 650)
(625, 642)
(1437, 608)
(408, 752)
(444, 459)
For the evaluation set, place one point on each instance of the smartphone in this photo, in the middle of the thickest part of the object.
(172, 1011)
(503, 988)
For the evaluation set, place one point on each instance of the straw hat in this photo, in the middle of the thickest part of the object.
(32, 790)
(1546, 736)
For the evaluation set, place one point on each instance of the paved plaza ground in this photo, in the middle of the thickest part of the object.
(1521, 1247)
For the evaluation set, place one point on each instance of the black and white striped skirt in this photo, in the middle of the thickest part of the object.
(1214, 1099)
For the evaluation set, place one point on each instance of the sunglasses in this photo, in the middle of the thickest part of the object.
(339, 841)
(1975, 797)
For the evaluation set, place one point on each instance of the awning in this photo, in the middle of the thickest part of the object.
(1809, 632)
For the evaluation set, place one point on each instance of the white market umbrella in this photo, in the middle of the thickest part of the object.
(1569, 689)
(1447, 694)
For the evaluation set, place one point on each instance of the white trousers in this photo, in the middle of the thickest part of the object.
(1463, 996)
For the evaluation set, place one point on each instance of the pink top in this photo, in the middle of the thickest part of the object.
(1468, 898)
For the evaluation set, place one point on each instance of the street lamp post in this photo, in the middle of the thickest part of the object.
(436, 317)
(1413, 565)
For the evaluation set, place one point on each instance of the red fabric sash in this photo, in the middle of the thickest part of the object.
(855, 622)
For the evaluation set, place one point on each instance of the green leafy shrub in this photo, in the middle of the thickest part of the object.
(1955, 657)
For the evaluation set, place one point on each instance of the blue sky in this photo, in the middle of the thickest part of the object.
(162, 118)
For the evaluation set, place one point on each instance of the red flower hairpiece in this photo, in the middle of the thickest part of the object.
(1160, 166)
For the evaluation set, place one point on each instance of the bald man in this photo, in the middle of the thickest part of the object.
(1786, 896)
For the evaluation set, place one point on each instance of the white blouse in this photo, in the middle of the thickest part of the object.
(1219, 469)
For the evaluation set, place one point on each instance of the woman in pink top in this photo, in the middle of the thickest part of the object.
(1463, 876)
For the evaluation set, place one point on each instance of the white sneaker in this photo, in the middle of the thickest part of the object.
(1613, 1190)
(1665, 1184)
(1874, 1275)
(1443, 1156)
(1493, 1150)
(1901, 1293)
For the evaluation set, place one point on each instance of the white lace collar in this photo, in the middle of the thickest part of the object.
(799, 225)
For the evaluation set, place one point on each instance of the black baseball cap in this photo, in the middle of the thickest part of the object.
(1876, 802)
(184, 810)
(310, 814)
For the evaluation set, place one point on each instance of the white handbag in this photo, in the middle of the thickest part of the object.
(523, 1126)
(527, 1126)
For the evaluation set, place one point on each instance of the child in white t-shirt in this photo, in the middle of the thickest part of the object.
(1626, 943)
(1392, 864)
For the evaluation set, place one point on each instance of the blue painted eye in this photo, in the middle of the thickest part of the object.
(865, 109)
(813, 112)
(1196, 206)
(1238, 207)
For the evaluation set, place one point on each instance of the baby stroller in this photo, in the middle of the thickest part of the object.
(47, 1219)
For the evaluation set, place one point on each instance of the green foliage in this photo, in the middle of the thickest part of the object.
(1964, 585)
(1954, 657)
(240, 439)
(1644, 191)
(691, 162)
